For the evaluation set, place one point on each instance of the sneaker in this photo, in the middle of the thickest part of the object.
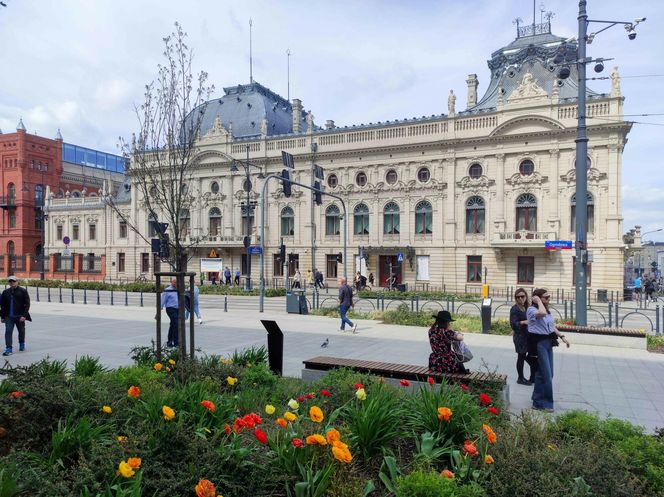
(342, 330)
(545, 409)
(7, 352)
(200, 321)
(21, 347)
(355, 329)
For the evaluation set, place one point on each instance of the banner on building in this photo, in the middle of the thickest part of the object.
(209, 265)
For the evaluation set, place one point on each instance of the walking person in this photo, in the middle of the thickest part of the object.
(345, 303)
(237, 277)
(227, 276)
(542, 337)
(650, 288)
(297, 279)
(14, 310)
(318, 279)
(169, 301)
(311, 280)
(197, 311)
(443, 359)
(519, 324)
(637, 287)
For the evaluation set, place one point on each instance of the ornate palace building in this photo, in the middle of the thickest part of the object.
(465, 197)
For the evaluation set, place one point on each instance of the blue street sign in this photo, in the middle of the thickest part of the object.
(66, 240)
(399, 256)
(558, 244)
(255, 250)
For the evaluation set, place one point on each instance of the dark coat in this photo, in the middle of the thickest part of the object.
(21, 302)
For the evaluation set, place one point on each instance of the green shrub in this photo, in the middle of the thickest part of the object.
(252, 355)
(88, 366)
(429, 484)
(72, 437)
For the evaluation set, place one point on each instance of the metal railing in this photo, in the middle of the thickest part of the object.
(91, 264)
(64, 263)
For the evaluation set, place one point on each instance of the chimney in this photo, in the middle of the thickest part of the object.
(472, 83)
(297, 115)
(329, 124)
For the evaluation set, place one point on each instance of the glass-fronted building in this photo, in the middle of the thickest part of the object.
(75, 154)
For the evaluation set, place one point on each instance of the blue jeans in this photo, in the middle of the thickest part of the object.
(9, 330)
(543, 390)
(343, 309)
(196, 311)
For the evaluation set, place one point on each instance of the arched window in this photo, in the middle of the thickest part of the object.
(287, 222)
(423, 218)
(361, 219)
(526, 212)
(76, 194)
(11, 248)
(475, 212)
(391, 219)
(39, 194)
(11, 193)
(591, 213)
(526, 168)
(214, 217)
(38, 218)
(332, 220)
(184, 222)
(247, 219)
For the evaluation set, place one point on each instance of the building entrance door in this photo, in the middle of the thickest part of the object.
(389, 269)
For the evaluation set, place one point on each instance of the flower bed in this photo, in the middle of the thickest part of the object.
(218, 426)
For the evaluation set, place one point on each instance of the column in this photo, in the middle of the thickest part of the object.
(556, 211)
(498, 213)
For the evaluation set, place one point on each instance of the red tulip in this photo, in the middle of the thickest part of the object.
(260, 436)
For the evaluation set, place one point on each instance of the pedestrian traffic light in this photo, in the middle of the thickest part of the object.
(285, 177)
(340, 257)
(282, 253)
(318, 196)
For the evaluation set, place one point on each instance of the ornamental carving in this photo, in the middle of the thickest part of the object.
(279, 194)
(59, 220)
(518, 179)
(75, 219)
(482, 182)
(528, 89)
(92, 219)
(594, 176)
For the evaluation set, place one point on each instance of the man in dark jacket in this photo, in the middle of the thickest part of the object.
(14, 307)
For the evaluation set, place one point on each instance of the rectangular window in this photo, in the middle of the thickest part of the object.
(361, 266)
(474, 265)
(589, 272)
(121, 262)
(145, 262)
(92, 231)
(277, 267)
(58, 232)
(156, 263)
(293, 264)
(331, 266)
(90, 261)
(422, 268)
(123, 229)
(74, 232)
(38, 219)
(12, 220)
(525, 271)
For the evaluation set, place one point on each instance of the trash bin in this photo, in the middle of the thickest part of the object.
(627, 294)
(486, 315)
(296, 303)
(602, 295)
(402, 287)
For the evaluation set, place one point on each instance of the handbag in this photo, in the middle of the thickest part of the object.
(461, 351)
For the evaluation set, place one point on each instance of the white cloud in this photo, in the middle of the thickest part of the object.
(112, 93)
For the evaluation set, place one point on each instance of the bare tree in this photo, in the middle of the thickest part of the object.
(161, 153)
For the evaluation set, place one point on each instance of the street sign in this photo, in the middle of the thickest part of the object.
(558, 244)
(287, 159)
(66, 252)
(399, 256)
(255, 250)
(66, 240)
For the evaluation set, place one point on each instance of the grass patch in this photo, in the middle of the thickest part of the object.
(655, 344)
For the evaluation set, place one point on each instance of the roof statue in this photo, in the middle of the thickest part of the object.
(528, 89)
(451, 103)
(264, 126)
(20, 126)
(615, 82)
(310, 121)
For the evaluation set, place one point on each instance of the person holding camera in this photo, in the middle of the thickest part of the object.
(542, 337)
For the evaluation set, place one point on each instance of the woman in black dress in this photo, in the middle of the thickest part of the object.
(519, 324)
(442, 358)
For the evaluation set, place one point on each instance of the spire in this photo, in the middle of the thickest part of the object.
(58, 135)
(0, 131)
(20, 126)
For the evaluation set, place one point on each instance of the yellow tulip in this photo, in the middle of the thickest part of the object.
(270, 409)
(168, 413)
(293, 404)
(289, 416)
(107, 409)
(125, 469)
(231, 381)
(361, 394)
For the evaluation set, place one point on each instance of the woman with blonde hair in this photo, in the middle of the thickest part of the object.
(542, 336)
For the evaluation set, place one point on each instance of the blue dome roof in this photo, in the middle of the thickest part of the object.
(245, 106)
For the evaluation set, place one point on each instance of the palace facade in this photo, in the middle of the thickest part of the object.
(446, 201)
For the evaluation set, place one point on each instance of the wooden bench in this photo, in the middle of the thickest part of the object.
(602, 330)
(318, 366)
(624, 338)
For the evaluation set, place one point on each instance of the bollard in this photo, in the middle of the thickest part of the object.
(126, 297)
(565, 313)
(98, 296)
(452, 304)
(382, 306)
(37, 294)
(412, 304)
(447, 304)
(378, 302)
(49, 293)
(610, 314)
(85, 295)
(657, 320)
(60, 294)
(417, 303)
(571, 311)
(226, 304)
(616, 320)
(141, 298)
(72, 295)
(111, 296)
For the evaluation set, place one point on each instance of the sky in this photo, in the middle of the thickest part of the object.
(81, 65)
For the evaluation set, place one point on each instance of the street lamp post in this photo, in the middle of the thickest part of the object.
(581, 61)
(43, 225)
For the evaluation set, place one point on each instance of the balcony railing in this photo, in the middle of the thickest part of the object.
(226, 240)
(522, 238)
(7, 202)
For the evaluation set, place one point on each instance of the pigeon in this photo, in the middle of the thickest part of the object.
(325, 343)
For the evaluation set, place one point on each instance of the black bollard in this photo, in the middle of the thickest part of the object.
(275, 346)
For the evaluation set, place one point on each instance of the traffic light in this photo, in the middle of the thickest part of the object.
(285, 177)
(163, 247)
(340, 257)
(318, 196)
(246, 241)
(282, 253)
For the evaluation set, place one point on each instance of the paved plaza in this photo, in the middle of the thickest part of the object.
(626, 383)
